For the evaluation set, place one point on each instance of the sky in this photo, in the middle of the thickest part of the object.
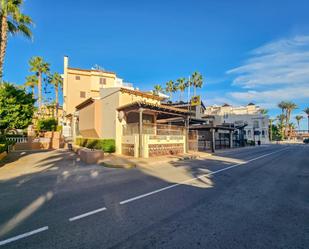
(247, 51)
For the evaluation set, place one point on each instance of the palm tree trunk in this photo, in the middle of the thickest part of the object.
(32, 88)
(3, 43)
(57, 101)
(40, 91)
(288, 123)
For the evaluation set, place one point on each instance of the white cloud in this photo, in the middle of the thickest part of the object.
(272, 96)
(274, 72)
(284, 62)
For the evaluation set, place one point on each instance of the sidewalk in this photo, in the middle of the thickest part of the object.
(120, 161)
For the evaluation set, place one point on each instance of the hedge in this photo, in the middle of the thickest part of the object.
(4, 143)
(49, 124)
(3, 147)
(107, 145)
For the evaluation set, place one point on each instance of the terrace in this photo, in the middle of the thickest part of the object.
(147, 131)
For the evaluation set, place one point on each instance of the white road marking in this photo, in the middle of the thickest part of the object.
(87, 214)
(24, 235)
(195, 178)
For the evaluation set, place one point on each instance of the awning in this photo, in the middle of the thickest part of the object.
(157, 108)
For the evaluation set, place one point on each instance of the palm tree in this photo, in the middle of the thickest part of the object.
(281, 118)
(290, 106)
(40, 67)
(197, 81)
(282, 106)
(32, 82)
(307, 112)
(157, 89)
(12, 22)
(298, 119)
(170, 88)
(181, 86)
(56, 80)
(264, 111)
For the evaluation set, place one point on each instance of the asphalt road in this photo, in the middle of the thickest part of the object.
(248, 198)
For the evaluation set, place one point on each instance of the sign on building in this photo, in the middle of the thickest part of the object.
(195, 100)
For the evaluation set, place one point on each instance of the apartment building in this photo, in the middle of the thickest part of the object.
(256, 124)
(81, 84)
(98, 104)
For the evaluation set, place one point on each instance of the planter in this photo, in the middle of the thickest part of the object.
(3, 155)
(91, 156)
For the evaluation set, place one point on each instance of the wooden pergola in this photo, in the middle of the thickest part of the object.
(162, 112)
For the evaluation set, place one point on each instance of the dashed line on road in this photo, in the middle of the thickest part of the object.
(24, 235)
(195, 178)
(39, 230)
(87, 214)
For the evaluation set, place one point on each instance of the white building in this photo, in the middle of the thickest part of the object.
(256, 122)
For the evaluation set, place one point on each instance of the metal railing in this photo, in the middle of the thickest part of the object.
(18, 139)
(153, 129)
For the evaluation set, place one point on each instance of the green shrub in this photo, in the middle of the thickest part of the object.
(49, 124)
(107, 145)
(3, 147)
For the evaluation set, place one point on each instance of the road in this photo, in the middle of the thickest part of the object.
(244, 198)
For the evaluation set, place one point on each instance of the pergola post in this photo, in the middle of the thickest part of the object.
(231, 139)
(187, 122)
(213, 140)
(140, 132)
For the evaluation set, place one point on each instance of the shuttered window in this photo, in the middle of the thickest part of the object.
(83, 94)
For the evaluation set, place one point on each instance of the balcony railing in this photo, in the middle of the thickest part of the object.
(153, 129)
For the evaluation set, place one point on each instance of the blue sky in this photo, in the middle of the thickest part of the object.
(248, 51)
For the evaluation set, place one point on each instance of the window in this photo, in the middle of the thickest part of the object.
(249, 133)
(83, 94)
(102, 81)
(255, 124)
(77, 77)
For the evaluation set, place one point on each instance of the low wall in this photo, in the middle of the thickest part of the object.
(130, 145)
(153, 145)
(50, 140)
(160, 145)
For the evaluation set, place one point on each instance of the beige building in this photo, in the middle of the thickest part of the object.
(97, 104)
(80, 84)
(136, 120)
(256, 123)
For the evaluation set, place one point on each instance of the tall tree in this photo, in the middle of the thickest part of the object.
(13, 22)
(197, 81)
(40, 67)
(157, 89)
(298, 119)
(281, 125)
(181, 86)
(56, 80)
(264, 111)
(290, 106)
(282, 105)
(16, 107)
(170, 88)
(32, 82)
(307, 112)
